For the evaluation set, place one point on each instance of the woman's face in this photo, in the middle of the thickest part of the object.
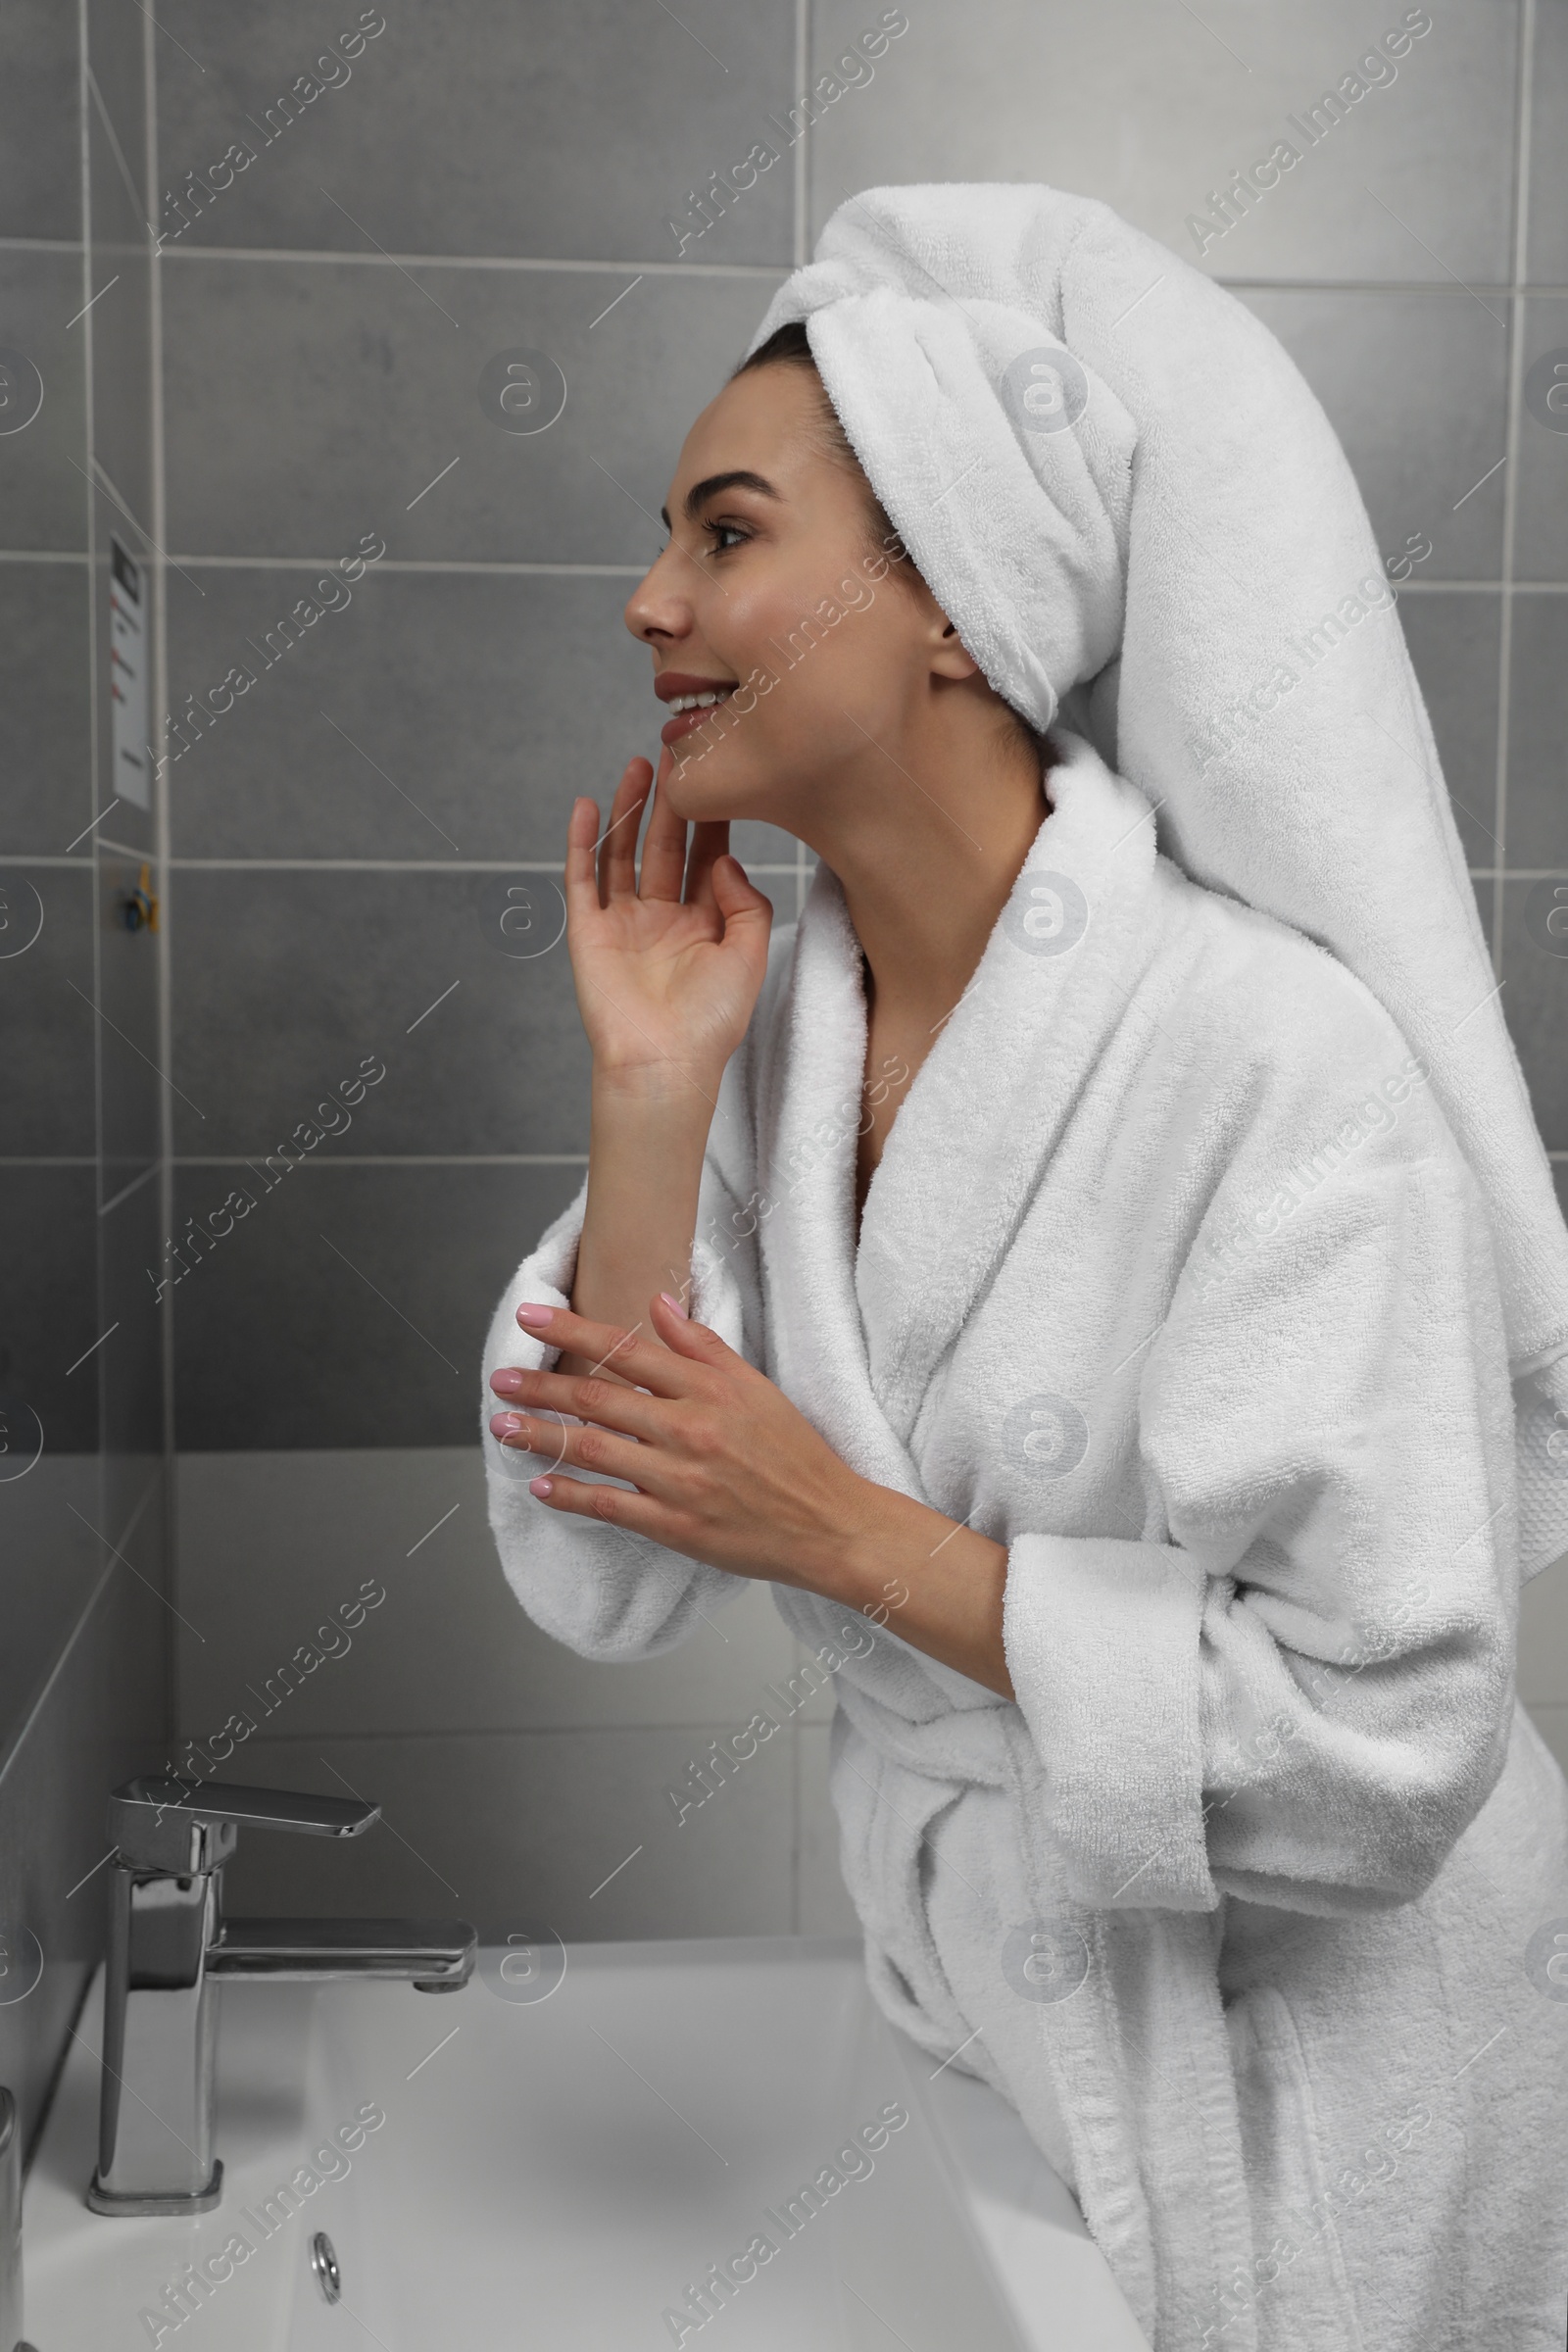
(773, 595)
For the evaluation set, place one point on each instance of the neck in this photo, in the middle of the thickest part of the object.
(927, 838)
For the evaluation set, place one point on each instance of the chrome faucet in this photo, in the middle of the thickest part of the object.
(169, 1945)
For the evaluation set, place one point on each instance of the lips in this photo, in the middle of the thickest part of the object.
(702, 695)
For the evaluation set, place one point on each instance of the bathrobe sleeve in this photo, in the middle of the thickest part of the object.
(606, 1591)
(1300, 1690)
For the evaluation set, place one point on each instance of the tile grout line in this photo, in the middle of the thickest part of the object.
(549, 263)
(1519, 260)
(162, 834)
(802, 182)
(582, 265)
(52, 858)
(503, 1731)
(92, 864)
(349, 865)
(392, 1160)
(482, 567)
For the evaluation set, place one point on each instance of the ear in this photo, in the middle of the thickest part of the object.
(950, 657)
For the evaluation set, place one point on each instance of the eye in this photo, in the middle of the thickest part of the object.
(723, 536)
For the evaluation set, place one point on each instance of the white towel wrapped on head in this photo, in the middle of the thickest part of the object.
(1128, 502)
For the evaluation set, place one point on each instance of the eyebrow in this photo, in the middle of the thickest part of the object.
(700, 492)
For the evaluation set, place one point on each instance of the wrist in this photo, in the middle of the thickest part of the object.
(866, 1569)
(665, 1090)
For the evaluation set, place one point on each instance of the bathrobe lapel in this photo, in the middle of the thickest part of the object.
(807, 1108)
(987, 1106)
(978, 1123)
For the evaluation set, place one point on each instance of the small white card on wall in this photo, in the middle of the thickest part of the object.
(128, 675)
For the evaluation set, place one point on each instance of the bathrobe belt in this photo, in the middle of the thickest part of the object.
(960, 1749)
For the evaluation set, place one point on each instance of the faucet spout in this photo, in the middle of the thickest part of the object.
(433, 1955)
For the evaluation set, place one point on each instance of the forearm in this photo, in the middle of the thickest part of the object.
(935, 1583)
(721, 1466)
(645, 1165)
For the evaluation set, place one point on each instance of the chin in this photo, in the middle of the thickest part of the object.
(702, 793)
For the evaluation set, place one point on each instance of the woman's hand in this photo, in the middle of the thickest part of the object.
(728, 1471)
(665, 983)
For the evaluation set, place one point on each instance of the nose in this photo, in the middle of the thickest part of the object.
(658, 612)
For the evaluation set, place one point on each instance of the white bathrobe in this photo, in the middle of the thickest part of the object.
(1172, 1280)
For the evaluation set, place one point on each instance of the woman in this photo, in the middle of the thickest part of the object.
(1097, 1336)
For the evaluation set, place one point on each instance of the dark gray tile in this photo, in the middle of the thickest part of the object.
(40, 122)
(1535, 1000)
(1150, 109)
(485, 701)
(116, 51)
(130, 1364)
(1454, 642)
(50, 1293)
(1415, 386)
(349, 1307)
(104, 1718)
(42, 487)
(1540, 549)
(130, 1089)
(358, 387)
(1547, 262)
(46, 996)
(283, 981)
(45, 747)
(573, 129)
(120, 325)
(1537, 733)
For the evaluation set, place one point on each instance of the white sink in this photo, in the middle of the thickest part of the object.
(562, 2170)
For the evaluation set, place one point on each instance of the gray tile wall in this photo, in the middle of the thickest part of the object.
(475, 181)
(84, 1553)
(517, 1781)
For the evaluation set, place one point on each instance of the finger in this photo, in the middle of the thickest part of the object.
(710, 843)
(618, 850)
(610, 1347)
(611, 1404)
(547, 1438)
(581, 887)
(698, 1343)
(746, 914)
(613, 1506)
(587, 1450)
(665, 844)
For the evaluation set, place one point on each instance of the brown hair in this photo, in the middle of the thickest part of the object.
(790, 346)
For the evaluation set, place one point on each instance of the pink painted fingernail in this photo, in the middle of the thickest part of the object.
(535, 1317)
(504, 1425)
(539, 1487)
(674, 1302)
(506, 1382)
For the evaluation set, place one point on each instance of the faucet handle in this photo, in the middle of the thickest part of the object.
(157, 1822)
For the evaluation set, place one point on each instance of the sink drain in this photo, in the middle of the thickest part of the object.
(324, 2262)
